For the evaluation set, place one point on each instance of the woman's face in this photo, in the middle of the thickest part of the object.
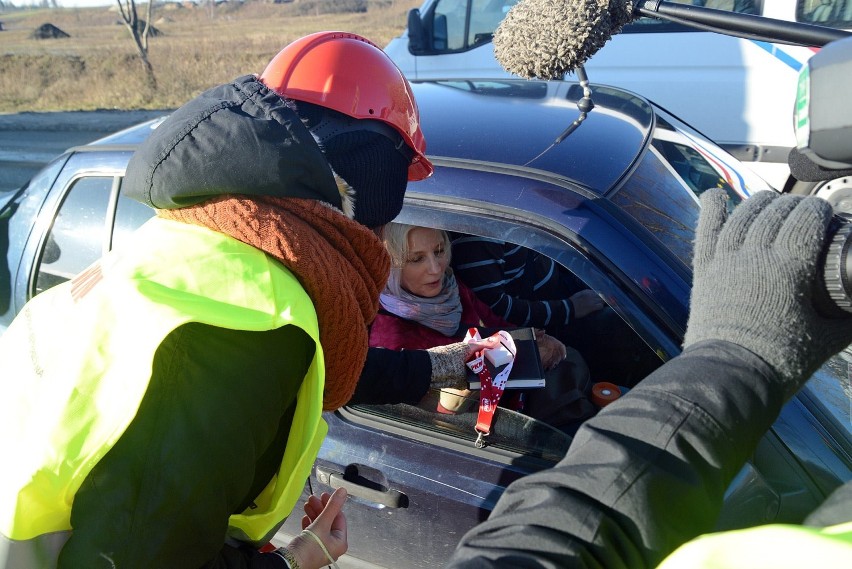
(423, 272)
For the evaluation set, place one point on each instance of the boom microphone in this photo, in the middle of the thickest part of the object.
(549, 38)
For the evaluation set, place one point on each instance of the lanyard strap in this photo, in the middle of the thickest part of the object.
(491, 388)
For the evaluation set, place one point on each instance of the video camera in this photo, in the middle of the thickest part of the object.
(822, 120)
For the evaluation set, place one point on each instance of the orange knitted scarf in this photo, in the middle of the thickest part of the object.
(342, 265)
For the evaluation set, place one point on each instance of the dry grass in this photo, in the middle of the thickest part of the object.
(97, 67)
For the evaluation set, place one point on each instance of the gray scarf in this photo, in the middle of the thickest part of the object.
(441, 312)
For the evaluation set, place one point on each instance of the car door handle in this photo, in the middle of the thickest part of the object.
(362, 487)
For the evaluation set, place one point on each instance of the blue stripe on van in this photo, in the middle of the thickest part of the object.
(779, 54)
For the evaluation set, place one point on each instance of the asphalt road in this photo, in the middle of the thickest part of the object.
(29, 140)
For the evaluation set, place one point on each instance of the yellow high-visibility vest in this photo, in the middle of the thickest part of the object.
(75, 365)
(774, 546)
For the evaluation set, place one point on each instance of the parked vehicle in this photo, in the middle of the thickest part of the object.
(738, 92)
(615, 201)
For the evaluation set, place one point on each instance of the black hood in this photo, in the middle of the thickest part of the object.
(239, 138)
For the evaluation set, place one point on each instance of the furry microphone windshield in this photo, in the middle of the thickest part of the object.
(548, 38)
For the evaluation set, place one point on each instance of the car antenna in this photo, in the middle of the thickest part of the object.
(585, 104)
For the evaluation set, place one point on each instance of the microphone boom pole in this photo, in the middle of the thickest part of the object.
(740, 25)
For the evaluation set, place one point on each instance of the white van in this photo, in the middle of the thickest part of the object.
(738, 92)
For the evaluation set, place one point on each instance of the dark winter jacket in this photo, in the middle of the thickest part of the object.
(645, 475)
(269, 151)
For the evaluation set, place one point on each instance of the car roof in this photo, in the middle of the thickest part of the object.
(516, 122)
(131, 136)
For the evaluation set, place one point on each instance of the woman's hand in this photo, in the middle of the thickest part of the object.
(551, 350)
(325, 519)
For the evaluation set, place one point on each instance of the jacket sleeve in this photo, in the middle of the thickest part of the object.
(645, 475)
(393, 376)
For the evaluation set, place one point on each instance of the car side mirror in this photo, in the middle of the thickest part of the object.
(417, 43)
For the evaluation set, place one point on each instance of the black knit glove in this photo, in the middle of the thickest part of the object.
(753, 280)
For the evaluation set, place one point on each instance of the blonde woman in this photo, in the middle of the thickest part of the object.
(424, 305)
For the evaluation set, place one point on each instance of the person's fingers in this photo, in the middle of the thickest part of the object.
(339, 525)
(805, 228)
(330, 524)
(585, 302)
(331, 507)
(313, 506)
(714, 212)
(761, 235)
(731, 236)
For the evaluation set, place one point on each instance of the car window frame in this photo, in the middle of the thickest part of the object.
(80, 162)
(544, 236)
(105, 231)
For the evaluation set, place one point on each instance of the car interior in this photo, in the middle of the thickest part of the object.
(614, 352)
(612, 349)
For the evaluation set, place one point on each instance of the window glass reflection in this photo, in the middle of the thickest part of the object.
(76, 238)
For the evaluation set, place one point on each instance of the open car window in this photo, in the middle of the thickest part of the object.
(622, 352)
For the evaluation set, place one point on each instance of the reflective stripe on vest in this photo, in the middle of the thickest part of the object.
(75, 364)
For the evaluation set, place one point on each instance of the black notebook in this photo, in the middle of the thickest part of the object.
(527, 372)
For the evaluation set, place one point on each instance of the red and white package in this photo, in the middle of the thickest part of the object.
(499, 350)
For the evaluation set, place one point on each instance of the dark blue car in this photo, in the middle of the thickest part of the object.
(612, 195)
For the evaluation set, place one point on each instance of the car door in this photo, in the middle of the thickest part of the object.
(416, 479)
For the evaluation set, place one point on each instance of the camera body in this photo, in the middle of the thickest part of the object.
(833, 292)
(822, 119)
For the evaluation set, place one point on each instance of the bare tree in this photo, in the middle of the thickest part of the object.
(127, 8)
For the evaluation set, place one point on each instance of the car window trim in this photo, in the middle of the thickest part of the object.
(671, 330)
(364, 418)
(52, 205)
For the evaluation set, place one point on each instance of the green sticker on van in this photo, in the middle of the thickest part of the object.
(801, 120)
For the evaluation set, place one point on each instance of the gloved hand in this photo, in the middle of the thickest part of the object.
(753, 280)
(448, 365)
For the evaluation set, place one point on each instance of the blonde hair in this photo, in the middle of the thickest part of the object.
(395, 237)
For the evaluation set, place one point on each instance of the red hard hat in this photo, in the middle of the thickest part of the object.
(352, 75)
